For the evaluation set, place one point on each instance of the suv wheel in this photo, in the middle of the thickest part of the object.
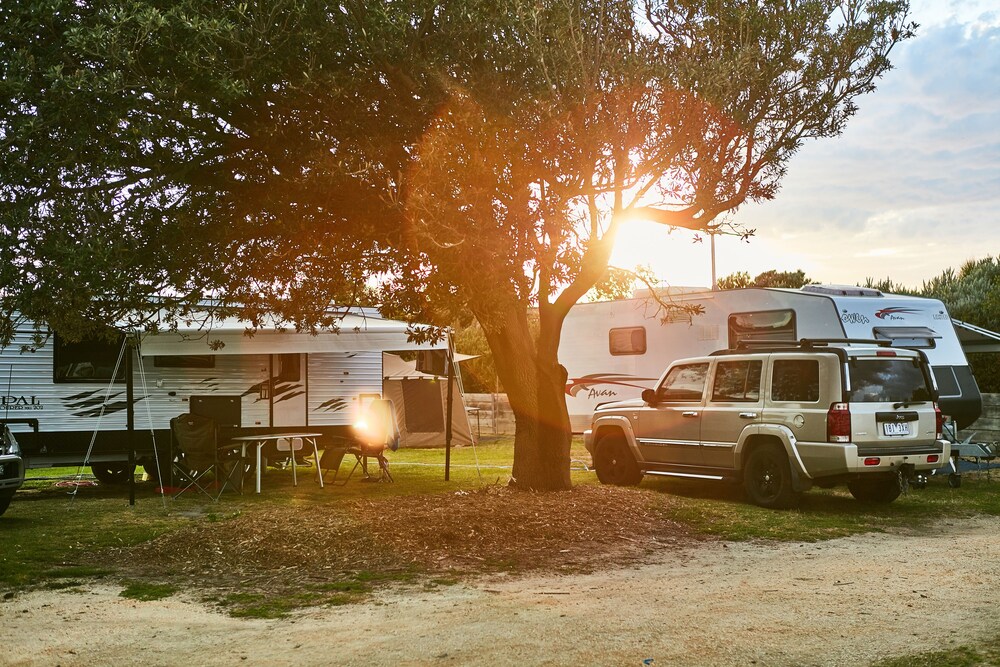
(880, 489)
(614, 462)
(767, 478)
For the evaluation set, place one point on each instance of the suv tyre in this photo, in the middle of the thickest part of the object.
(614, 462)
(880, 489)
(767, 479)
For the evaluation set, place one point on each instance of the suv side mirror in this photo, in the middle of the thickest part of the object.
(649, 396)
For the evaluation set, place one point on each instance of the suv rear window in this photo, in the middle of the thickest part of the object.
(883, 379)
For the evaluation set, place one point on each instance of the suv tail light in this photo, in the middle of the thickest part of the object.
(838, 423)
(938, 422)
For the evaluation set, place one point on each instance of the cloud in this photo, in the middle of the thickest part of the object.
(913, 185)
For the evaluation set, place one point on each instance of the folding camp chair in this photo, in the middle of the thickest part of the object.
(195, 455)
(292, 448)
(377, 432)
(333, 456)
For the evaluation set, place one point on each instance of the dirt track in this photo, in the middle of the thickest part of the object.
(846, 601)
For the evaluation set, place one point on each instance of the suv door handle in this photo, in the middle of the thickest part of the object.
(689, 413)
(748, 415)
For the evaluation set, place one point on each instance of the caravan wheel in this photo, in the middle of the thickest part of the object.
(112, 473)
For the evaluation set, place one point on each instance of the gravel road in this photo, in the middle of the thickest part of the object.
(844, 601)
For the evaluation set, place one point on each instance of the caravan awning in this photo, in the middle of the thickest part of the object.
(976, 339)
(356, 334)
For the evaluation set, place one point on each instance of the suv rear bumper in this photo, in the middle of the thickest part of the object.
(828, 459)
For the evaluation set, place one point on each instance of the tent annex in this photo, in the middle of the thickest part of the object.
(421, 403)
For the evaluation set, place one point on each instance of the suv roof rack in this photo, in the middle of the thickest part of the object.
(807, 343)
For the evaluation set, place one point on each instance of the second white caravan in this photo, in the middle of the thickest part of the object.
(612, 350)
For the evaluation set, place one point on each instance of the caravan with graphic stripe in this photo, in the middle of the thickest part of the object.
(70, 403)
(612, 350)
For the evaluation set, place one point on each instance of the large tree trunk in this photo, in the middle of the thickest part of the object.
(542, 436)
(535, 384)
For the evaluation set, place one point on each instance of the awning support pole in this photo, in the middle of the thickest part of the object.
(130, 420)
(447, 429)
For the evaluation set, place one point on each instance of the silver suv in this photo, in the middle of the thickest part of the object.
(781, 417)
(11, 467)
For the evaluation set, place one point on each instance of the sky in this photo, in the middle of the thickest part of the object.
(911, 188)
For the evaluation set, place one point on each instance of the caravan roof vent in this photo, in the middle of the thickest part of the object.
(841, 290)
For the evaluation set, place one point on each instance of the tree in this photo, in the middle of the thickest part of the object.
(972, 294)
(478, 156)
(771, 278)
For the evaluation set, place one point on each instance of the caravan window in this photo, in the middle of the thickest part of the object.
(913, 337)
(628, 340)
(89, 360)
(184, 361)
(289, 368)
(762, 325)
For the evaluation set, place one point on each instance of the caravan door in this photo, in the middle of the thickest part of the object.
(288, 390)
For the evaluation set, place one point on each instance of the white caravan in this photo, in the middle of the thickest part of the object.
(612, 350)
(62, 396)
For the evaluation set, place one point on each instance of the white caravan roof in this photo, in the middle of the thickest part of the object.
(357, 333)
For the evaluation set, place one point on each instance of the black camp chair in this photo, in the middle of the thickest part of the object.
(378, 433)
(195, 455)
(333, 456)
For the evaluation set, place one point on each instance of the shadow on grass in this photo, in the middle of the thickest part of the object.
(720, 509)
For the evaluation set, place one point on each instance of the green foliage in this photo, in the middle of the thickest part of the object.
(619, 283)
(194, 150)
(887, 286)
(972, 294)
(479, 375)
(738, 280)
(771, 278)
(984, 652)
(987, 371)
(143, 590)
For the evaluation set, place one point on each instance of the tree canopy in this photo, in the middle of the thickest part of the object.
(770, 278)
(476, 156)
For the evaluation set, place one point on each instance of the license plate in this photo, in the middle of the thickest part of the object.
(896, 428)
